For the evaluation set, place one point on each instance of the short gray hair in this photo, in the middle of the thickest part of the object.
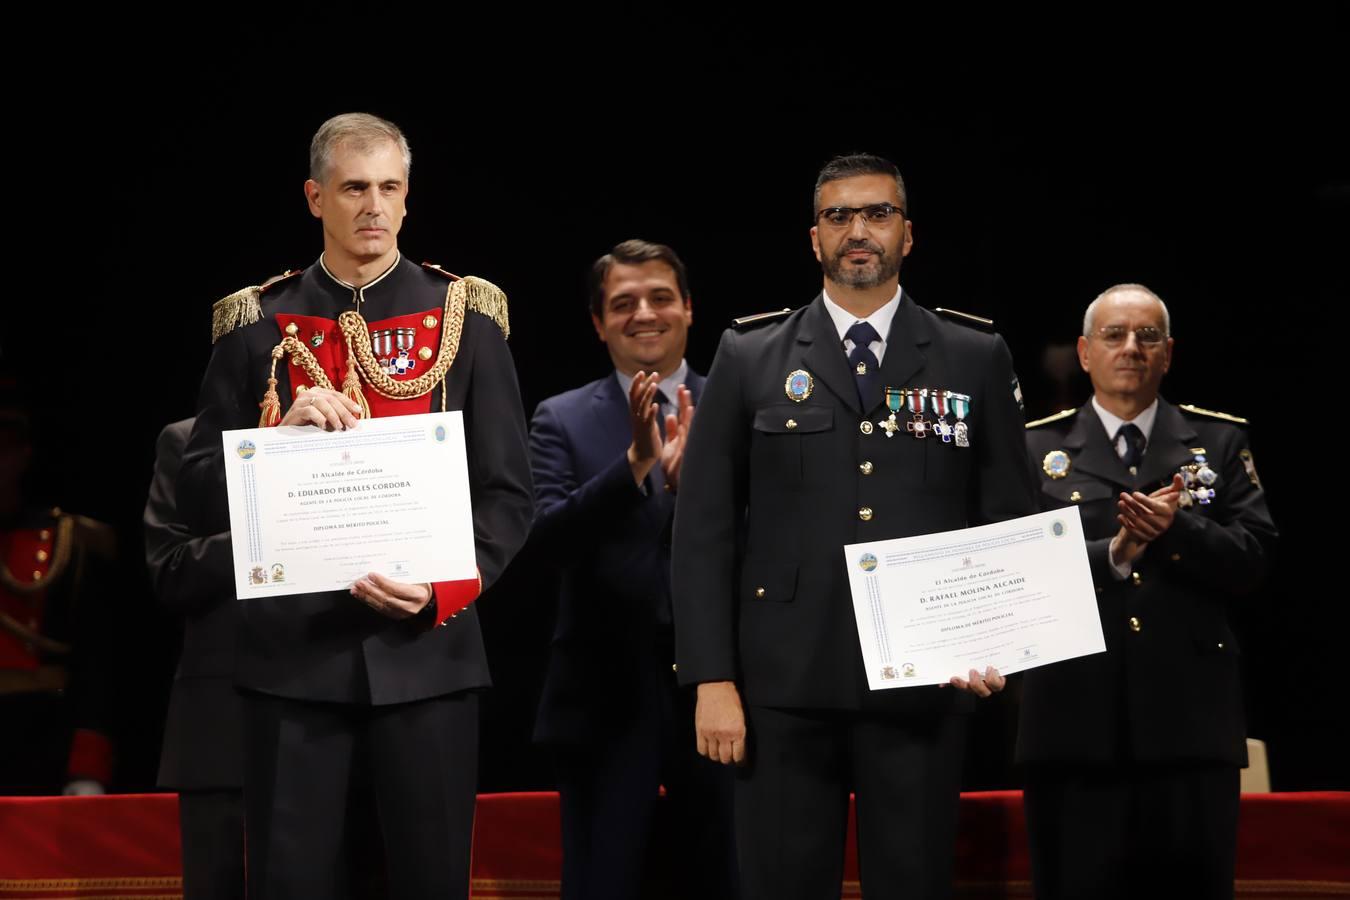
(362, 132)
(1120, 288)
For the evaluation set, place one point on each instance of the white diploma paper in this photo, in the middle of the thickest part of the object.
(1014, 595)
(312, 510)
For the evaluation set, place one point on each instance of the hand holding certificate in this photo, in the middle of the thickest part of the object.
(313, 510)
(1013, 595)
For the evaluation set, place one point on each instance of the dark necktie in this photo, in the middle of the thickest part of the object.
(1134, 446)
(866, 369)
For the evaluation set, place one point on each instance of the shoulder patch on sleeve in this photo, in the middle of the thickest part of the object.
(1249, 465)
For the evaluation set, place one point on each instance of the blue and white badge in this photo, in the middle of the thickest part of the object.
(393, 349)
(1056, 464)
(399, 364)
(799, 385)
(1199, 481)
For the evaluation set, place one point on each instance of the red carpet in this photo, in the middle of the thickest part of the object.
(123, 847)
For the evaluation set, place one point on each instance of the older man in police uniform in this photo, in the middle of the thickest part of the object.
(1132, 755)
(858, 417)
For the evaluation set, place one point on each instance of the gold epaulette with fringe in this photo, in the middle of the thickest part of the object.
(1062, 414)
(482, 296)
(760, 318)
(1212, 414)
(243, 307)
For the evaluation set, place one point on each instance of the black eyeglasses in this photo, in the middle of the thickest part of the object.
(873, 214)
(1115, 335)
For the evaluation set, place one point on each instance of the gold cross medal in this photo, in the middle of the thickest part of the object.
(895, 398)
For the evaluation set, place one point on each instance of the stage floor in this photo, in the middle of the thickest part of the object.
(126, 846)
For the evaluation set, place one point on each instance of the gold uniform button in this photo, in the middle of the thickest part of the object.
(1134, 624)
(429, 322)
(674, 667)
(866, 467)
(42, 556)
(865, 513)
(44, 535)
(790, 424)
(1134, 576)
(759, 593)
(424, 353)
(292, 329)
(1220, 645)
(1176, 557)
(1075, 497)
(37, 576)
(865, 426)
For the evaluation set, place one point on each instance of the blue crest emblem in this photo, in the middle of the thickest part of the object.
(440, 434)
(867, 562)
(246, 449)
(799, 385)
(1056, 464)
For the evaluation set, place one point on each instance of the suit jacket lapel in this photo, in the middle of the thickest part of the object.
(609, 406)
(904, 357)
(1169, 447)
(823, 355)
(1092, 451)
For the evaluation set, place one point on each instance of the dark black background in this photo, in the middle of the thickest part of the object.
(1038, 176)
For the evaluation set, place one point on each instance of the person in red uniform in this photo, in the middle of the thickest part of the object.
(377, 684)
(53, 583)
